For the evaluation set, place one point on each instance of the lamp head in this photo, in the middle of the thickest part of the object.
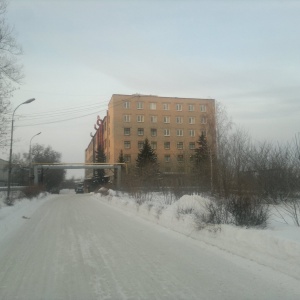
(29, 100)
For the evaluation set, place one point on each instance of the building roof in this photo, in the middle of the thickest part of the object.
(167, 97)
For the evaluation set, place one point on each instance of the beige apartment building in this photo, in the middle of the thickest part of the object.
(172, 125)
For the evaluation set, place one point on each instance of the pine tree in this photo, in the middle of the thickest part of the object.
(121, 159)
(202, 152)
(100, 158)
(202, 163)
(146, 163)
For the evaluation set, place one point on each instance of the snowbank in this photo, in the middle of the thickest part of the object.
(12, 217)
(278, 246)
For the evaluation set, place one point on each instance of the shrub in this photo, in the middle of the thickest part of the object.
(244, 210)
(33, 191)
(248, 211)
(184, 211)
(215, 213)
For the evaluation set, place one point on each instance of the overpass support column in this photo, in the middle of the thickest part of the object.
(118, 176)
(35, 174)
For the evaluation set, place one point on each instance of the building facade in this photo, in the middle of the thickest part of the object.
(93, 147)
(172, 125)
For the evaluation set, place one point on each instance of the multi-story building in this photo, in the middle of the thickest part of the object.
(93, 147)
(172, 125)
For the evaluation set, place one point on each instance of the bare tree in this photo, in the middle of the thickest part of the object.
(48, 178)
(10, 70)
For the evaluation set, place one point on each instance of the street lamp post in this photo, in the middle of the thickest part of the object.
(8, 200)
(30, 159)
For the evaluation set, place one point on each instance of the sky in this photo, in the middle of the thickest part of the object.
(76, 54)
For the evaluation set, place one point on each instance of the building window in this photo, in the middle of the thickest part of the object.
(126, 104)
(180, 158)
(140, 105)
(166, 106)
(203, 132)
(166, 132)
(167, 145)
(153, 106)
(180, 145)
(126, 131)
(191, 107)
(154, 145)
(192, 145)
(140, 145)
(192, 158)
(203, 108)
(192, 120)
(153, 132)
(167, 158)
(192, 132)
(126, 118)
(153, 119)
(127, 144)
(179, 120)
(179, 107)
(140, 131)
(166, 119)
(127, 158)
(140, 118)
(179, 132)
(203, 120)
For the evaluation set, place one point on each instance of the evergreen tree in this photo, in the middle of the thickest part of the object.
(146, 163)
(100, 158)
(202, 152)
(121, 160)
(202, 163)
(121, 157)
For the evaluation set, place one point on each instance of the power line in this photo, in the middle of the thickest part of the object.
(58, 121)
(58, 113)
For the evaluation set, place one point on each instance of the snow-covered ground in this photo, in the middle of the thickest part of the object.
(277, 246)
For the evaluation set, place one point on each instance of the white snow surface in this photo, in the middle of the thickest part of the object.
(277, 247)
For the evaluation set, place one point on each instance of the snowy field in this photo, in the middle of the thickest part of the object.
(277, 246)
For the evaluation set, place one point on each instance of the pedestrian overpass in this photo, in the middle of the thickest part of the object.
(40, 166)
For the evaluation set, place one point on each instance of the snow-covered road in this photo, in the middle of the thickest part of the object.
(76, 247)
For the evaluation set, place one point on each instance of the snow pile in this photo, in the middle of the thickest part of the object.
(12, 217)
(278, 246)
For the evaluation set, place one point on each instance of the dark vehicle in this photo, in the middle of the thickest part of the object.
(54, 190)
(79, 189)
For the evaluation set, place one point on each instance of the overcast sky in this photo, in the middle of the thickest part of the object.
(77, 53)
